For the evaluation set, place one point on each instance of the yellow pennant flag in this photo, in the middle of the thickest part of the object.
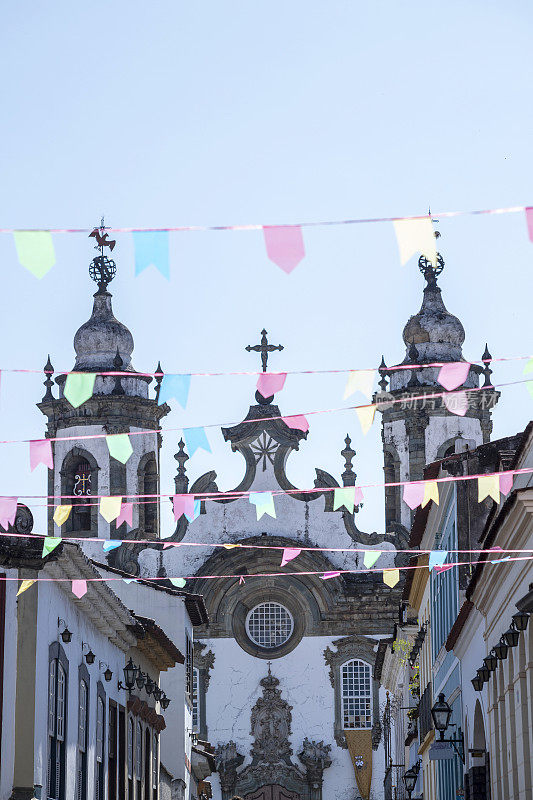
(360, 380)
(110, 507)
(416, 236)
(61, 514)
(366, 417)
(431, 492)
(25, 585)
(391, 577)
(231, 546)
(488, 486)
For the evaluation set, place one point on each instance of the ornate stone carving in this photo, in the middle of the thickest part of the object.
(204, 661)
(227, 760)
(271, 727)
(315, 757)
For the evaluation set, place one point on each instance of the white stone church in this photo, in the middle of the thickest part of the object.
(283, 681)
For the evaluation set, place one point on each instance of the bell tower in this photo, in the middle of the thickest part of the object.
(416, 432)
(120, 403)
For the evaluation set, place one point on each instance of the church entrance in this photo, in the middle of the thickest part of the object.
(272, 793)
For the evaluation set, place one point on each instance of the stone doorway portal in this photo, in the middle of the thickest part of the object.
(273, 792)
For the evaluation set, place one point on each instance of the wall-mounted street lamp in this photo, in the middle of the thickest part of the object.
(520, 620)
(130, 672)
(89, 655)
(501, 649)
(140, 679)
(441, 714)
(66, 635)
(512, 636)
(410, 778)
(108, 674)
(165, 701)
(150, 685)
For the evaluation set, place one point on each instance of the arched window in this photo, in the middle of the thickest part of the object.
(155, 766)
(100, 729)
(391, 464)
(78, 485)
(131, 738)
(139, 757)
(148, 485)
(57, 710)
(83, 697)
(356, 695)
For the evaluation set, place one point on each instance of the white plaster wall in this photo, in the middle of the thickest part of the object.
(10, 670)
(304, 683)
(54, 602)
(394, 434)
(440, 429)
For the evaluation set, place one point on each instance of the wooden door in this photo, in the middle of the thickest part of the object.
(272, 793)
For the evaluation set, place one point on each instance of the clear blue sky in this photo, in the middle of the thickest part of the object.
(172, 113)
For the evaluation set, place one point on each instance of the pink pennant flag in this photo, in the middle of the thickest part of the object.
(268, 383)
(456, 403)
(284, 245)
(8, 511)
(299, 422)
(328, 575)
(241, 580)
(126, 515)
(443, 568)
(506, 482)
(288, 554)
(413, 494)
(41, 453)
(358, 497)
(183, 504)
(79, 588)
(529, 221)
(453, 375)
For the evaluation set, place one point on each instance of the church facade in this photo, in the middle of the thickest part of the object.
(283, 673)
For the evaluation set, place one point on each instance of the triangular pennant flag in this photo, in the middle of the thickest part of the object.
(126, 515)
(229, 546)
(506, 482)
(416, 236)
(327, 575)
(129, 580)
(50, 543)
(41, 453)
(110, 508)
(183, 504)
(453, 375)
(241, 581)
(263, 502)
(528, 369)
(413, 494)
(529, 222)
(79, 588)
(499, 560)
(431, 492)
(288, 554)
(178, 582)
(297, 422)
(391, 577)
(366, 417)
(61, 514)
(444, 568)
(360, 380)
(35, 251)
(111, 544)
(456, 403)
(8, 511)
(370, 558)
(175, 386)
(488, 486)
(284, 245)
(25, 585)
(344, 496)
(437, 558)
(79, 387)
(119, 446)
(268, 383)
(196, 439)
(151, 250)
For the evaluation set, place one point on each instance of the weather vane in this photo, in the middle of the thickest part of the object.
(426, 267)
(102, 269)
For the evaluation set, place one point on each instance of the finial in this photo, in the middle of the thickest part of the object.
(117, 364)
(426, 267)
(158, 375)
(48, 371)
(269, 664)
(264, 348)
(348, 476)
(487, 372)
(382, 369)
(181, 480)
(101, 269)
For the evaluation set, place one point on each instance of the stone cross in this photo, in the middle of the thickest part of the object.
(264, 348)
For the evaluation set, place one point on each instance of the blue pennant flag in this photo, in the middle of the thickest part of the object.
(111, 544)
(151, 250)
(437, 558)
(175, 386)
(196, 439)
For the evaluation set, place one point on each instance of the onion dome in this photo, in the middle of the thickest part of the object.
(99, 339)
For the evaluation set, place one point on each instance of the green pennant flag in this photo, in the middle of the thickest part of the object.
(35, 251)
(119, 446)
(179, 582)
(50, 543)
(371, 556)
(79, 387)
(528, 369)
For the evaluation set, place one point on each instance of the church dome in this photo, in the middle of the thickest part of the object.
(437, 334)
(100, 338)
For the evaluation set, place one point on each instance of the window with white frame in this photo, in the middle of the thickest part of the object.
(445, 585)
(155, 765)
(57, 709)
(269, 625)
(131, 738)
(356, 695)
(139, 756)
(195, 700)
(100, 732)
(83, 699)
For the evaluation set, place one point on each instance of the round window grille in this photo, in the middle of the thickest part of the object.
(269, 625)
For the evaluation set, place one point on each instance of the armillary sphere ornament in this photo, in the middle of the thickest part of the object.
(102, 269)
